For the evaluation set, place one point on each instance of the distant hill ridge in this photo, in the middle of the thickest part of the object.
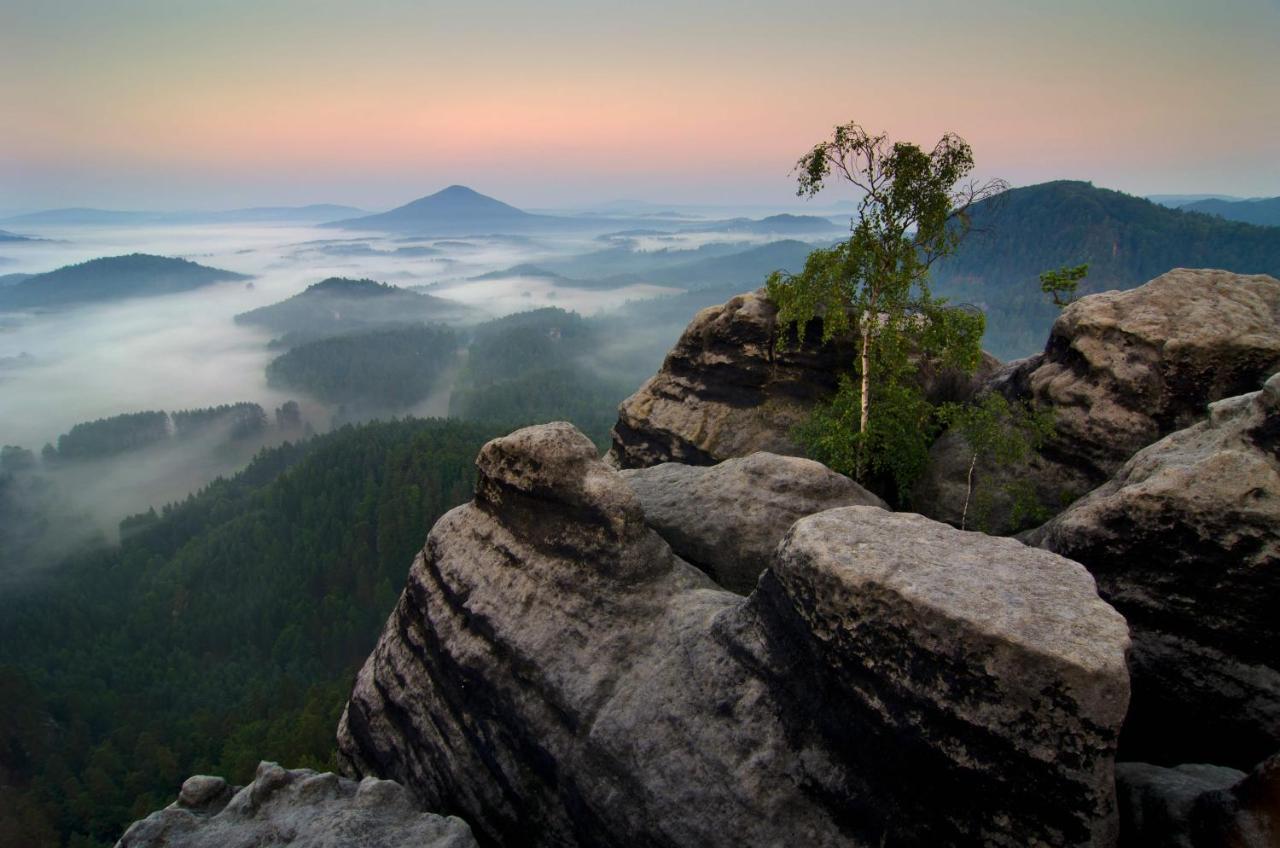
(1125, 239)
(339, 305)
(347, 286)
(1263, 211)
(111, 278)
(84, 216)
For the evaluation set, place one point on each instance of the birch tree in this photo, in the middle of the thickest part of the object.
(913, 210)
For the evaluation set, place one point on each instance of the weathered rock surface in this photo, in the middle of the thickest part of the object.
(1199, 806)
(295, 807)
(728, 519)
(1185, 541)
(557, 676)
(731, 387)
(1121, 370)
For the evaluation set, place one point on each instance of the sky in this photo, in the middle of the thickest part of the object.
(167, 104)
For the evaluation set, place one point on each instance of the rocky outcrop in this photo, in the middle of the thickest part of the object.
(295, 807)
(1185, 541)
(1121, 370)
(736, 383)
(1200, 806)
(728, 519)
(728, 388)
(557, 676)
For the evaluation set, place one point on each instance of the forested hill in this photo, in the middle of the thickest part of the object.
(340, 305)
(111, 278)
(1126, 240)
(224, 630)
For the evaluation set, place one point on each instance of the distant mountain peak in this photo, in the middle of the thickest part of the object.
(454, 208)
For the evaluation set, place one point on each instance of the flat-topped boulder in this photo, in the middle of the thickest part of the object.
(1185, 541)
(1121, 370)
(556, 675)
(296, 807)
(728, 519)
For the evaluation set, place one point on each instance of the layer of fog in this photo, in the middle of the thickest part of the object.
(185, 351)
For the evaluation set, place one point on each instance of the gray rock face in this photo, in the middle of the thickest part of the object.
(295, 807)
(727, 519)
(557, 676)
(731, 387)
(1199, 806)
(1185, 541)
(1121, 370)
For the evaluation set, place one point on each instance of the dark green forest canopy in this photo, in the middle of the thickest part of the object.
(538, 366)
(1125, 240)
(224, 630)
(387, 369)
(131, 431)
(111, 278)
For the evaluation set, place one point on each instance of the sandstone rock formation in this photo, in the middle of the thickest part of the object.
(299, 808)
(1185, 541)
(733, 385)
(727, 519)
(1199, 806)
(1121, 370)
(557, 676)
(727, 388)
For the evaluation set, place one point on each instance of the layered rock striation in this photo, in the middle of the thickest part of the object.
(298, 808)
(728, 388)
(555, 674)
(1185, 541)
(728, 519)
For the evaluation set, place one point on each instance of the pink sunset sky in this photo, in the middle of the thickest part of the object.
(215, 104)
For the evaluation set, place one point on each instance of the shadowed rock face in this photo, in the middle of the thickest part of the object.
(295, 807)
(728, 519)
(1185, 541)
(557, 676)
(1200, 806)
(1121, 370)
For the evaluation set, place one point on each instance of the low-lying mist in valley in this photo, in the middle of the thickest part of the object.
(61, 367)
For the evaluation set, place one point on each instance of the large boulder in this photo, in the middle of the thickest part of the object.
(736, 383)
(557, 676)
(1185, 541)
(1199, 806)
(727, 519)
(295, 807)
(1121, 370)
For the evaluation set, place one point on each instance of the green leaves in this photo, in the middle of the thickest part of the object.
(875, 285)
(1061, 284)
